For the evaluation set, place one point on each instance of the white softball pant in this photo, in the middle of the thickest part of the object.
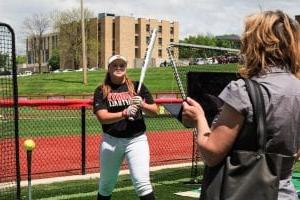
(136, 152)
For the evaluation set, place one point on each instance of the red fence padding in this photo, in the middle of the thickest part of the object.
(168, 100)
(67, 102)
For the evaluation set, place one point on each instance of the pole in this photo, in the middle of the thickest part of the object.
(29, 158)
(97, 44)
(29, 145)
(84, 64)
(83, 140)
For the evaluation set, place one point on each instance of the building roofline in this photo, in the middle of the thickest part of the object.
(102, 15)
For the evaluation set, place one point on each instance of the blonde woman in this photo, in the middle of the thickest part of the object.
(115, 105)
(270, 50)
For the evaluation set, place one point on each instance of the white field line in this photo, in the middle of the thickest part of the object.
(78, 195)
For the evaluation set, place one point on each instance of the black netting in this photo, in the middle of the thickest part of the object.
(9, 181)
(201, 72)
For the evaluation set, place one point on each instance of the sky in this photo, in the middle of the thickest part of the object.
(216, 17)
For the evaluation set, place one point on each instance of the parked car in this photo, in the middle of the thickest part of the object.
(79, 70)
(224, 59)
(4, 73)
(197, 61)
(27, 73)
(211, 60)
(57, 71)
(92, 69)
(165, 64)
(68, 70)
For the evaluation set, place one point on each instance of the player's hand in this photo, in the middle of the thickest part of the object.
(130, 111)
(191, 113)
(137, 100)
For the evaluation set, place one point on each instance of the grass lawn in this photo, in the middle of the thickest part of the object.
(70, 83)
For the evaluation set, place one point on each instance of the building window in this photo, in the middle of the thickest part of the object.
(172, 53)
(159, 29)
(136, 28)
(44, 43)
(160, 41)
(113, 47)
(53, 42)
(148, 27)
(99, 30)
(171, 40)
(136, 52)
(172, 30)
(28, 57)
(159, 53)
(47, 55)
(113, 30)
(136, 41)
(147, 40)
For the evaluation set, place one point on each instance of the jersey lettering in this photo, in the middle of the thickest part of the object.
(118, 99)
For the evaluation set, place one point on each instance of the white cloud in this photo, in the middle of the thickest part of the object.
(194, 16)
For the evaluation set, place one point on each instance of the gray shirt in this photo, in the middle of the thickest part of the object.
(281, 91)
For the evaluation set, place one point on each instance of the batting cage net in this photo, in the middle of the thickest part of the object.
(9, 163)
(201, 72)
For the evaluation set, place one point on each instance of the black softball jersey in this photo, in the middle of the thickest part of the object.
(116, 101)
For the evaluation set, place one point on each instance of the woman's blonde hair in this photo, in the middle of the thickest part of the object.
(106, 86)
(271, 38)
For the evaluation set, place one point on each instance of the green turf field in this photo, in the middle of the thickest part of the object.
(166, 182)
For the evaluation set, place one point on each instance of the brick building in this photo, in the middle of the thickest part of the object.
(123, 35)
(49, 42)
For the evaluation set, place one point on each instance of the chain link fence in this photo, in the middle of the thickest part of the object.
(68, 135)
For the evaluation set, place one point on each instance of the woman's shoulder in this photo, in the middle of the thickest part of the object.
(135, 83)
(98, 88)
(236, 85)
(235, 95)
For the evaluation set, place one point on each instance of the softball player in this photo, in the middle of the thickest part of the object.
(115, 105)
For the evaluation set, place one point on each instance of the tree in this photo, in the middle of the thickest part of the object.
(208, 40)
(67, 24)
(4, 62)
(36, 26)
(54, 60)
(21, 59)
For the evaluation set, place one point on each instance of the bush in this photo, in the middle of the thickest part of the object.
(54, 60)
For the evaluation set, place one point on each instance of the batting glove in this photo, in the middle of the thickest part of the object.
(130, 111)
(137, 100)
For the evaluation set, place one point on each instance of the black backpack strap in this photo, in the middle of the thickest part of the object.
(259, 113)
